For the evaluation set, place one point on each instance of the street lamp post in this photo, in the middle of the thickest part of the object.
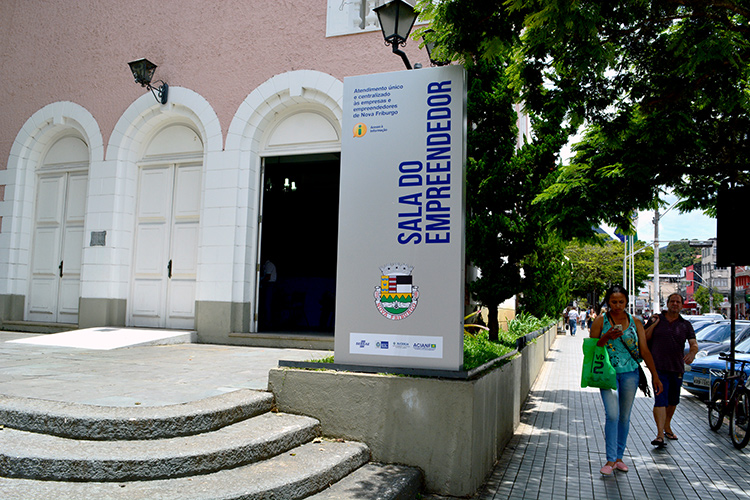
(626, 282)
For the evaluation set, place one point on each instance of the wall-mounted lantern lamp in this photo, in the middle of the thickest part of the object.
(430, 46)
(396, 20)
(143, 72)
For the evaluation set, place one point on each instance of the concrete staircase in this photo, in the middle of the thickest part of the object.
(226, 447)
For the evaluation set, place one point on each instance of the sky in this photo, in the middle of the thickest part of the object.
(673, 226)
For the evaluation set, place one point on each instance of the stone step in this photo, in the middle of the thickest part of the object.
(81, 421)
(39, 456)
(37, 327)
(376, 482)
(294, 474)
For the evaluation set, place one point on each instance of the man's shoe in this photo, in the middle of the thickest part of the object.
(621, 466)
(606, 470)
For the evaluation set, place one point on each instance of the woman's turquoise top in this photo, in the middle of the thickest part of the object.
(619, 356)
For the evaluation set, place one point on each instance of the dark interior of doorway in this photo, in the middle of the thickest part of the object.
(300, 237)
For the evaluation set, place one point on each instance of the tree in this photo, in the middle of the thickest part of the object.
(597, 266)
(505, 232)
(663, 87)
(546, 280)
(702, 297)
(677, 255)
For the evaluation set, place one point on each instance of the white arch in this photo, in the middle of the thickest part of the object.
(40, 131)
(110, 268)
(277, 97)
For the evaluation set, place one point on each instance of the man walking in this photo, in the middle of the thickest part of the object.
(666, 334)
(573, 319)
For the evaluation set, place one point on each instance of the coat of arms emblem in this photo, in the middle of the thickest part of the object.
(396, 297)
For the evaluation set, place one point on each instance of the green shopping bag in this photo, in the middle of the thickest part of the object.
(597, 370)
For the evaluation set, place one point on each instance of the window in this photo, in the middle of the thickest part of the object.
(346, 17)
(351, 16)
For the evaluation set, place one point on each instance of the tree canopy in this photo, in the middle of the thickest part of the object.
(597, 266)
(677, 255)
(506, 234)
(661, 87)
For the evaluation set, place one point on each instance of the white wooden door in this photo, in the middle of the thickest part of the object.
(168, 216)
(57, 248)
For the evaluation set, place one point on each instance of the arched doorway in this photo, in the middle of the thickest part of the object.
(298, 223)
(57, 238)
(166, 230)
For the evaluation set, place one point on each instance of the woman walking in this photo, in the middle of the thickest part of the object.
(621, 334)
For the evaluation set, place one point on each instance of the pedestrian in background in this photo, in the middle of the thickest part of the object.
(666, 335)
(582, 318)
(621, 334)
(572, 320)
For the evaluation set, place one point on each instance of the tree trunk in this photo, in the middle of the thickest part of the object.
(492, 322)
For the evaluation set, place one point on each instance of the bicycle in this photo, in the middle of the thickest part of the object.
(730, 396)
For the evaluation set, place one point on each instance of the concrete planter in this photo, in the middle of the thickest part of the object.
(454, 430)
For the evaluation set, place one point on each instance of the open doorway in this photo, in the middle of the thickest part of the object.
(299, 241)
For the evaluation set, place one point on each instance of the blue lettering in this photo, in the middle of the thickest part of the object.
(404, 239)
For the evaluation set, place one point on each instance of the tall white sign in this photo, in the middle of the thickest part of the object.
(400, 281)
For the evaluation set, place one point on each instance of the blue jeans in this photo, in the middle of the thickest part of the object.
(572, 324)
(617, 407)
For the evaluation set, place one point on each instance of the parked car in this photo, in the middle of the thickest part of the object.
(715, 338)
(700, 325)
(697, 378)
(701, 318)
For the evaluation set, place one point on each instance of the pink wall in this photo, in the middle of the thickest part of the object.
(78, 50)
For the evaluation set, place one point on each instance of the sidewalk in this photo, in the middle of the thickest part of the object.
(556, 452)
(558, 449)
(150, 375)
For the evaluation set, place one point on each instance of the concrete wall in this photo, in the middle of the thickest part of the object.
(453, 430)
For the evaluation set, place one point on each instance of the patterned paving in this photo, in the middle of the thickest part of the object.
(558, 449)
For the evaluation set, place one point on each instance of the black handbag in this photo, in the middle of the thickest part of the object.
(642, 380)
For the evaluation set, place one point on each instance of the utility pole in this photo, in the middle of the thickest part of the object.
(656, 305)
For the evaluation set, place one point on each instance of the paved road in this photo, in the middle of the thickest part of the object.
(558, 449)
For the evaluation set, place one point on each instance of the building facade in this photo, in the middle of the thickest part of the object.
(116, 210)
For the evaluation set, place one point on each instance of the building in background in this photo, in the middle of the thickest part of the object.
(117, 210)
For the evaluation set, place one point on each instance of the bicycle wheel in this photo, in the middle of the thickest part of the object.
(716, 406)
(739, 419)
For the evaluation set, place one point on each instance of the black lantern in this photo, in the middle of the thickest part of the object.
(396, 20)
(143, 72)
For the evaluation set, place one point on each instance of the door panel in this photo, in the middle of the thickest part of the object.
(187, 202)
(147, 302)
(155, 197)
(150, 265)
(57, 248)
(72, 249)
(50, 199)
(166, 253)
(70, 281)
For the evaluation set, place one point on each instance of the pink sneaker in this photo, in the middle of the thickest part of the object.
(606, 470)
(621, 466)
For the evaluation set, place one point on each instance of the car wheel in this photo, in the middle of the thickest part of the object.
(716, 405)
(740, 419)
